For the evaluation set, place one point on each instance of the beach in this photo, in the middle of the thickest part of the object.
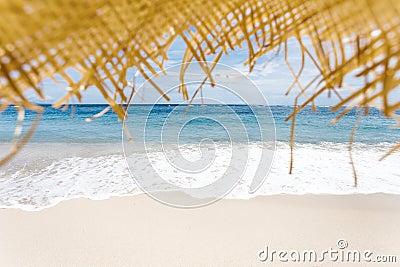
(138, 231)
(200, 133)
(76, 197)
(91, 162)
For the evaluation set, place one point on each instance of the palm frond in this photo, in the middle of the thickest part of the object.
(102, 39)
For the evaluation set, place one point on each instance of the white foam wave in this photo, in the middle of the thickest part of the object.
(318, 169)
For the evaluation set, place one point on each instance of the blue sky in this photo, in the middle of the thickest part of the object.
(272, 79)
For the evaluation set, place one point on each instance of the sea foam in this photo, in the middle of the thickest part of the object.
(36, 180)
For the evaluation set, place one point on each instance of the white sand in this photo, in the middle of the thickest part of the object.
(137, 231)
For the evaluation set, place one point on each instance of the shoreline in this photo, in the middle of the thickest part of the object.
(283, 194)
(138, 231)
(37, 180)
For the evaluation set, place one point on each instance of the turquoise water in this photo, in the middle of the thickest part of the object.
(68, 157)
(210, 121)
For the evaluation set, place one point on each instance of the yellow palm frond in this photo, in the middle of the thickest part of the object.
(102, 39)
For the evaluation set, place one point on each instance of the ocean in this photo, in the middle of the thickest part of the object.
(68, 157)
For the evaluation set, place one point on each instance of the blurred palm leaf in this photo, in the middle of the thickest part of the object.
(102, 39)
